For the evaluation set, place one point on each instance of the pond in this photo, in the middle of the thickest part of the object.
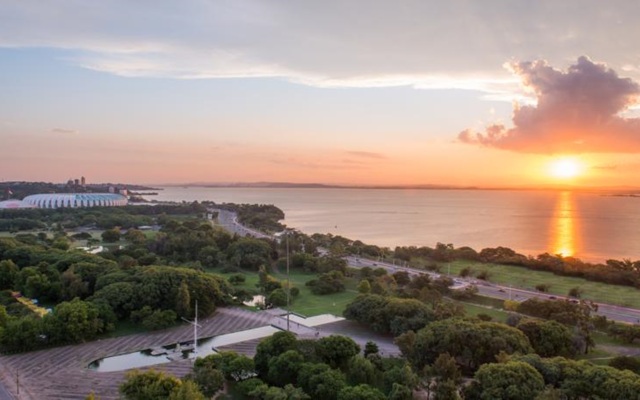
(165, 354)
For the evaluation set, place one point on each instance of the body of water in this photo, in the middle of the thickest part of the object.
(591, 226)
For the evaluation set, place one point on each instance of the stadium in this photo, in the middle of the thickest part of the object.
(75, 200)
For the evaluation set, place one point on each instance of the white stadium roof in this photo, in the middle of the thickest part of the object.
(74, 200)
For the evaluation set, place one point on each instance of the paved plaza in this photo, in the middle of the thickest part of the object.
(62, 373)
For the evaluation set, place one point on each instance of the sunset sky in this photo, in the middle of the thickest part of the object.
(487, 93)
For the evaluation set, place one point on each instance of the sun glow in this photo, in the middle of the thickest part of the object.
(566, 168)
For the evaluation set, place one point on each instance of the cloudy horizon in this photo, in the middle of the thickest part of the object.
(332, 92)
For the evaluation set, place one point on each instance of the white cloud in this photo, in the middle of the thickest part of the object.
(580, 110)
(424, 44)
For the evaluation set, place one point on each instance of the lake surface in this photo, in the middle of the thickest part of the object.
(591, 226)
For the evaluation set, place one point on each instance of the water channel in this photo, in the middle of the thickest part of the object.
(206, 346)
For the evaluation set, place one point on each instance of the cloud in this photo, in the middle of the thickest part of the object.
(367, 154)
(64, 131)
(420, 43)
(577, 111)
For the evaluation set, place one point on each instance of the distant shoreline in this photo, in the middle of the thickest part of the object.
(619, 191)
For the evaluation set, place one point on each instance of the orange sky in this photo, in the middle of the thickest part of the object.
(272, 91)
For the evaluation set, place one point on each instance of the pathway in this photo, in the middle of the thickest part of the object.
(62, 373)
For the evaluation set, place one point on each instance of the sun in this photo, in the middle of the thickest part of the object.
(566, 168)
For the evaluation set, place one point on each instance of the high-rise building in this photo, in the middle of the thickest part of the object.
(83, 181)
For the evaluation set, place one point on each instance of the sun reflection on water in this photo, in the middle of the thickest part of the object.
(564, 226)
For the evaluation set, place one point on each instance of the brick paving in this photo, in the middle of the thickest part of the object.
(62, 372)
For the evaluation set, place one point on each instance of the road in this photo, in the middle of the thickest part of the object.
(612, 312)
(229, 220)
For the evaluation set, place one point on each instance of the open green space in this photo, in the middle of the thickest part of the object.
(306, 303)
(519, 277)
(473, 310)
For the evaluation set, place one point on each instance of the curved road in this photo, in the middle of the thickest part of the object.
(229, 221)
(612, 312)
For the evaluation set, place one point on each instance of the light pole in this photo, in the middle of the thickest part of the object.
(195, 330)
(288, 283)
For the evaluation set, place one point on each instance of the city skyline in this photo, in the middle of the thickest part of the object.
(458, 93)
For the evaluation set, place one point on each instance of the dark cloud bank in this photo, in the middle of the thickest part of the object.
(578, 111)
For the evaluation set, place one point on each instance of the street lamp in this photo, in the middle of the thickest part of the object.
(288, 283)
(195, 330)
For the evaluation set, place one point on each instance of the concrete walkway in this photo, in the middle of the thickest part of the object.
(62, 372)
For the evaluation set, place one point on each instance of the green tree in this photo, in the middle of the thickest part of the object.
(188, 390)
(135, 236)
(514, 380)
(277, 298)
(160, 319)
(73, 321)
(21, 334)
(446, 369)
(209, 379)
(8, 274)
(619, 362)
(249, 253)
(361, 370)
(446, 390)
(120, 297)
(548, 338)
(361, 392)
(364, 287)
(401, 374)
(283, 369)
(336, 350)
(237, 279)
(183, 301)
(400, 392)
(575, 292)
(4, 317)
(149, 385)
(470, 343)
(271, 347)
(111, 235)
(326, 385)
(370, 348)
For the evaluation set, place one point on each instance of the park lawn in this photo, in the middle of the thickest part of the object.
(306, 303)
(473, 310)
(150, 234)
(597, 356)
(309, 304)
(520, 277)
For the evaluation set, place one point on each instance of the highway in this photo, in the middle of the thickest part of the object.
(612, 312)
(229, 221)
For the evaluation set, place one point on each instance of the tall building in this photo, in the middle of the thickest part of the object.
(83, 181)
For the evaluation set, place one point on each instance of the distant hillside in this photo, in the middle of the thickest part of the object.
(19, 190)
(317, 185)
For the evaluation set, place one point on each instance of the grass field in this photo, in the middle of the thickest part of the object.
(306, 303)
(473, 310)
(527, 279)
